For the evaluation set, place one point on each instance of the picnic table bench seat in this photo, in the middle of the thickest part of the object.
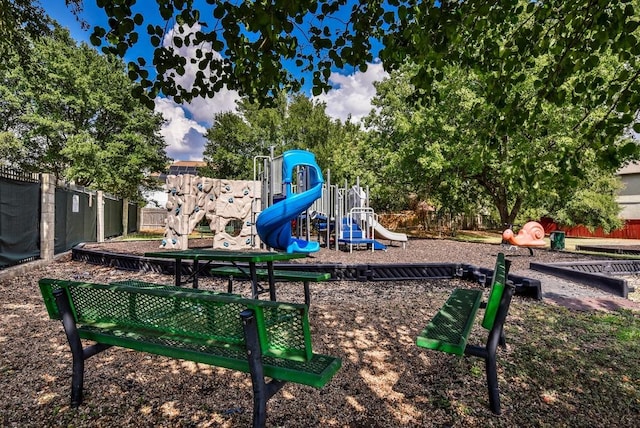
(260, 337)
(449, 330)
(305, 277)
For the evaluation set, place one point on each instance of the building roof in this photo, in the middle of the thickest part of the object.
(197, 164)
(631, 168)
(182, 167)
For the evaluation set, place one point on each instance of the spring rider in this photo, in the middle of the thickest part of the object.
(531, 235)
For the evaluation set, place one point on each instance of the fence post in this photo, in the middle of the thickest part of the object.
(125, 216)
(47, 217)
(100, 219)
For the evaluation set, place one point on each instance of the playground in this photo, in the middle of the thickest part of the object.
(370, 325)
(288, 206)
(385, 381)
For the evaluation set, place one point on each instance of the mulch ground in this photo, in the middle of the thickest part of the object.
(385, 381)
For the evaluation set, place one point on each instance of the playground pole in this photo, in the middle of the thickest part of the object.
(254, 211)
(271, 175)
(328, 211)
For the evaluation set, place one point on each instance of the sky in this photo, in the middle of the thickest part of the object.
(186, 123)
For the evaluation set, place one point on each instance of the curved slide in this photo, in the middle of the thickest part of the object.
(274, 223)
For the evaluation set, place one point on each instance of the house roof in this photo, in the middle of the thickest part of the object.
(181, 167)
(631, 168)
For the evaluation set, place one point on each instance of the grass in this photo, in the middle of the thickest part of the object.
(582, 365)
(140, 236)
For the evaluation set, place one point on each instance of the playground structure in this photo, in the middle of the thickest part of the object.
(273, 224)
(531, 235)
(358, 224)
(339, 215)
(226, 205)
(287, 202)
(354, 235)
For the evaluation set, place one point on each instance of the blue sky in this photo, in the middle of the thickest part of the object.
(186, 123)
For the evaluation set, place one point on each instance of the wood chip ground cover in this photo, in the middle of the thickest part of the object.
(561, 367)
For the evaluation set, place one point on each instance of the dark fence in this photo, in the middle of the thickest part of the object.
(112, 217)
(76, 219)
(132, 210)
(19, 217)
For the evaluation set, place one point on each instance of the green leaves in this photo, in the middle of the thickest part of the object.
(79, 120)
(516, 150)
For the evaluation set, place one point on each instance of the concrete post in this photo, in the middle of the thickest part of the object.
(47, 217)
(125, 216)
(100, 208)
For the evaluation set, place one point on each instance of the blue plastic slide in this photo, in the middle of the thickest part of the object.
(274, 223)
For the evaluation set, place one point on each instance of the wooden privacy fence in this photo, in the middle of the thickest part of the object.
(630, 230)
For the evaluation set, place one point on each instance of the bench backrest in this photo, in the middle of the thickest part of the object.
(498, 284)
(200, 316)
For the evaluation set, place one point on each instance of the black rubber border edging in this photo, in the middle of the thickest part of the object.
(526, 287)
(585, 273)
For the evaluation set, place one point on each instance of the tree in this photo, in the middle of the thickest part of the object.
(503, 41)
(252, 46)
(461, 149)
(230, 149)
(593, 205)
(293, 122)
(20, 20)
(71, 113)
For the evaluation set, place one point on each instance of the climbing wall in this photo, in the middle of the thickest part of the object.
(226, 205)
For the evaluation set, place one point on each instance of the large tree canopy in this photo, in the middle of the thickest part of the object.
(67, 110)
(253, 46)
(293, 122)
(460, 153)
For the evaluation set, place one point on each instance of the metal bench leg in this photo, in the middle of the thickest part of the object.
(272, 282)
(78, 353)
(196, 269)
(69, 324)
(178, 272)
(262, 391)
(307, 297)
(492, 383)
(491, 368)
(230, 284)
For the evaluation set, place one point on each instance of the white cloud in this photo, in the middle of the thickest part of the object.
(200, 109)
(184, 137)
(186, 123)
(353, 93)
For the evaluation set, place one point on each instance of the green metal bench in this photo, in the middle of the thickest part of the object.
(449, 329)
(263, 338)
(305, 277)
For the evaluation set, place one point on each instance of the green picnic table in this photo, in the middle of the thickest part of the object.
(202, 260)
